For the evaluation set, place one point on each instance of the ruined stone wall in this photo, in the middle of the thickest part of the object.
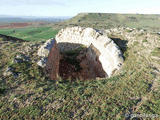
(49, 58)
(110, 54)
(52, 64)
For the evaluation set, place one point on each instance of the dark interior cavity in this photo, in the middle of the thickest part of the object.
(79, 62)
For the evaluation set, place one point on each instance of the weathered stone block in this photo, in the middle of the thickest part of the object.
(52, 64)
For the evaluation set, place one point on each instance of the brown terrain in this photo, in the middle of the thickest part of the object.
(21, 25)
(80, 67)
(15, 25)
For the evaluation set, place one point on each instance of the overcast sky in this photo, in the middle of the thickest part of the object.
(72, 7)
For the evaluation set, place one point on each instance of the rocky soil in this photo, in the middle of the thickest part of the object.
(27, 93)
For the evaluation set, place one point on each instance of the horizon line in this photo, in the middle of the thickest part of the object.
(79, 13)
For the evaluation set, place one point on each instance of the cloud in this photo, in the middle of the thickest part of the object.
(32, 2)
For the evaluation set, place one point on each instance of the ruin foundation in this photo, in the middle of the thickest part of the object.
(100, 56)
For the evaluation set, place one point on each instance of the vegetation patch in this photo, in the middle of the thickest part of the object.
(156, 52)
(2, 90)
(144, 41)
(33, 96)
(110, 20)
(1, 38)
(31, 33)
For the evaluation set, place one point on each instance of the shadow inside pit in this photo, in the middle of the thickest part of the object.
(122, 44)
(79, 62)
(66, 46)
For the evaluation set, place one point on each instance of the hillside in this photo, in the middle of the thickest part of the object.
(26, 92)
(109, 20)
(42, 31)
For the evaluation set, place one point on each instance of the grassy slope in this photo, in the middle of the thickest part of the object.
(32, 96)
(108, 20)
(31, 33)
(134, 90)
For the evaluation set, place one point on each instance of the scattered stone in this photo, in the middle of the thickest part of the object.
(129, 29)
(27, 49)
(42, 62)
(141, 31)
(21, 58)
(107, 31)
(18, 60)
(8, 71)
(16, 75)
(44, 50)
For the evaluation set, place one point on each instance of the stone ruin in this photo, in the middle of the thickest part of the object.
(80, 53)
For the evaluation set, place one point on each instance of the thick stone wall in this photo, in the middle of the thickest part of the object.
(110, 54)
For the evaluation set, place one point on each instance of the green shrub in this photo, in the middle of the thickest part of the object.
(144, 41)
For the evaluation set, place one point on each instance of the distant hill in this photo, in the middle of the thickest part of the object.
(110, 20)
(12, 19)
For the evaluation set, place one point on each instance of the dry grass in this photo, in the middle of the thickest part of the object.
(33, 96)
